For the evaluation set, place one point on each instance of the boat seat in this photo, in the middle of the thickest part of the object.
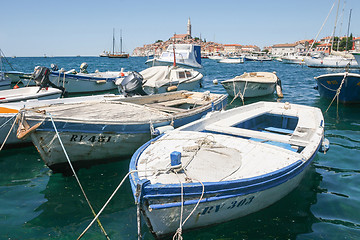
(241, 132)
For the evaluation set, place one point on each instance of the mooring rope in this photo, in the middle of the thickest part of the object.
(8, 134)
(242, 95)
(338, 93)
(76, 177)
(107, 202)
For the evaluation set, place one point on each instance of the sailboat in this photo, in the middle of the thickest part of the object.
(120, 54)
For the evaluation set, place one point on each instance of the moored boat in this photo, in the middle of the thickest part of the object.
(253, 84)
(186, 55)
(98, 130)
(345, 86)
(231, 60)
(161, 79)
(224, 166)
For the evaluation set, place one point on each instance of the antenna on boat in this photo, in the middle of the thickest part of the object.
(174, 50)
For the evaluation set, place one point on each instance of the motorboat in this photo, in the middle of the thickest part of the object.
(231, 60)
(101, 131)
(161, 79)
(27, 93)
(253, 84)
(83, 82)
(186, 55)
(343, 86)
(331, 62)
(258, 57)
(224, 166)
(293, 59)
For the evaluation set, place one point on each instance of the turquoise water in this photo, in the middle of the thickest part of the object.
(37, 204)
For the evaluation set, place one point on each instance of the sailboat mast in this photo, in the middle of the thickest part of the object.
(121, 41)
(333, 36)
(113, 45)
(347, 35)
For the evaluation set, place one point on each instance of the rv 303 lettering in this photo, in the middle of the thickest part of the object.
(86, 138)
(233, 204)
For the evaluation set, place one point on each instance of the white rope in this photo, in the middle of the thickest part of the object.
(76, 177)
(242, 95)
(107, 202)
(12, 126)
(338, 92)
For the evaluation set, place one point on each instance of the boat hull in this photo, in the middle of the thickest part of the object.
(189, 86)
(82, 84)
(330, 62)
(158, 62)
(88, 143)
(349, 92)
(165, 221)
(252, 89)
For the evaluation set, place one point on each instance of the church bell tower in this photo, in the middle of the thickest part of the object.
(189, 28)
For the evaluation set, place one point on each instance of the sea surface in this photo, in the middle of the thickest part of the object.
(37, 204)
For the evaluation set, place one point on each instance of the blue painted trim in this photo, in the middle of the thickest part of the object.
(81, 78)
(213, 191)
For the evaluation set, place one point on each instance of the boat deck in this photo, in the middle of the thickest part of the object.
(212, 158)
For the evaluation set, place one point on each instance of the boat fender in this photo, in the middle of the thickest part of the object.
(175, 158)
(171, 88)
(163, 129)
(325, 145)
(72, 71)
(279, 88)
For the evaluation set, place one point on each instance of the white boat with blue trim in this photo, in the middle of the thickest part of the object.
(100, 131)
(224, 166)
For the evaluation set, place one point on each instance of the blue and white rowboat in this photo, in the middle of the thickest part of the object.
(224, 166)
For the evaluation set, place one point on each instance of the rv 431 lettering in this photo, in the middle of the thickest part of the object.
(232, 205)
(86, 138)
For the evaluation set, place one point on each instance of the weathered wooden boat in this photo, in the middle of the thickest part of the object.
(345, 86)
(102, 131)
(9, 112)
(224, 166)
(253, 84)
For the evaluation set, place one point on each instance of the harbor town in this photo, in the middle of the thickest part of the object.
(177, 136)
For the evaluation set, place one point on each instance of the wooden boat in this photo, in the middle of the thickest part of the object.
(253, 84)
(224, 166)
(348, 85)
(101, 131)
(9, 111)
(161, 79)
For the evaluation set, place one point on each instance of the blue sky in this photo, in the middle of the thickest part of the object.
(69, 28)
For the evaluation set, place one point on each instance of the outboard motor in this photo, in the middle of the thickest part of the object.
(83, 67)
(54, 67)
(41, 78)
(132, 85)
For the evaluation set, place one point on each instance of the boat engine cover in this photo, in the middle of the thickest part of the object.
(132, 85)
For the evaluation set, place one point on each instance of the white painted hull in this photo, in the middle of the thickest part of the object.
(72, 84)
(330, 62)
(27, 93)
(166, 221)
(253, 89)
(189, 86)
(231, 60)
(85, 147)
